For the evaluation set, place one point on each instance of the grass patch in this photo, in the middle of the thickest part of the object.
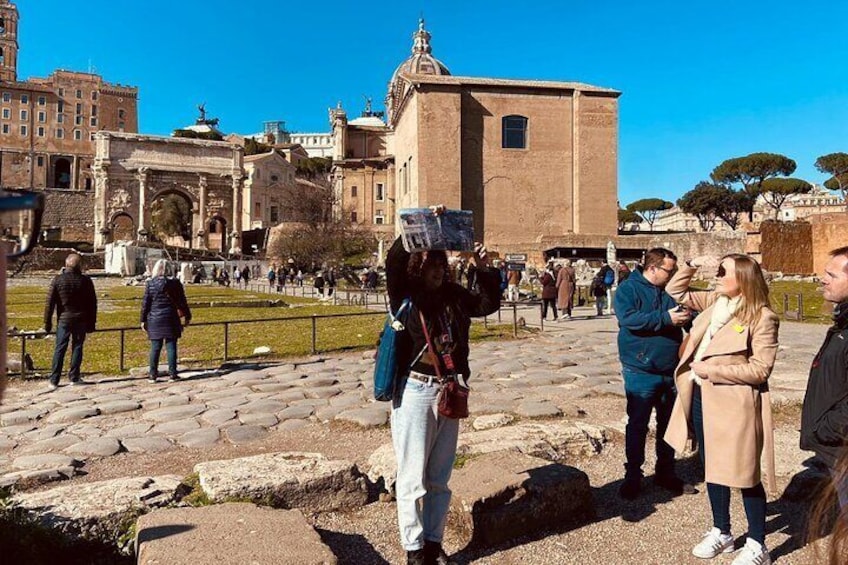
(462, 459)
(196, 496)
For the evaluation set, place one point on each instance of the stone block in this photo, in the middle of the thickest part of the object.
(229, 534)
(502, 496)
(285, 480)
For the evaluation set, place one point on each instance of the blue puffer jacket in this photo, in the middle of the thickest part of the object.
(647, 340)
(159, 311)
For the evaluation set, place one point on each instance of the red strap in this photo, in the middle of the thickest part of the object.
(430, 345)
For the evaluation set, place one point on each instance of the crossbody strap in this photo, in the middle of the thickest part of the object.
(430, 345)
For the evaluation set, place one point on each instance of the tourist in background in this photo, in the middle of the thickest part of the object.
(318, 283)
(162, 308)
(71, 295)
(281, 278)
(272, 277)
(424, 440)
(649, 339)
(599, 290)
(513, 279)
(566, 284)
(723, 398)
(549, 291)
(245, 276)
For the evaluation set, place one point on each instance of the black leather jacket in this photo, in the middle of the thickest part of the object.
(824, 418)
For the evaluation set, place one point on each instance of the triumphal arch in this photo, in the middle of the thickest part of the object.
(133, 173)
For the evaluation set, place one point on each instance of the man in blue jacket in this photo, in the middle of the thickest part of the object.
(649, 338)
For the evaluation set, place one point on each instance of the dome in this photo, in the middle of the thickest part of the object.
(421, 62)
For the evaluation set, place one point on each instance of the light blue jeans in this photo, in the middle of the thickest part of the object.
(425, 447)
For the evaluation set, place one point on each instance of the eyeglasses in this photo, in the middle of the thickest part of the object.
(669, 271)
(720, 272)
(20, 221)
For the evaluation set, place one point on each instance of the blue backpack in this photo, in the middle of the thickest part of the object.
(609, 277)
(385, 365)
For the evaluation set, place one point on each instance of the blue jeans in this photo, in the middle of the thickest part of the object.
(155, 352)
(645, 393)
(753, 498)
(74, 332)
(425, 447)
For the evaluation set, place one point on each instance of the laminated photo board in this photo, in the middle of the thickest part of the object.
(422, 229)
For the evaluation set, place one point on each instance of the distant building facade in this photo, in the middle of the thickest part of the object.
(47, 124)
(315, 144)
(801, 206)
(269, 179)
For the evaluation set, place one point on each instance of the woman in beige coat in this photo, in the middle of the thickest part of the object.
(566, 285)
(722, 396)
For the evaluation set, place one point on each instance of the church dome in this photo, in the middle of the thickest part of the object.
(420, 62)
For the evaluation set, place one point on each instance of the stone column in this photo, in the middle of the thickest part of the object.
(235, 235)
(143, 216)
(202, 215)
(101, 221)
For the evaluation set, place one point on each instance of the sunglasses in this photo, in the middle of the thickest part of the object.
(720, 272)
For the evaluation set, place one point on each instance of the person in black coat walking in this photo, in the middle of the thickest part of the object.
(163, 305)
(72, 296)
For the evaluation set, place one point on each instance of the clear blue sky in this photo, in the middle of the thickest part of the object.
(701, 81)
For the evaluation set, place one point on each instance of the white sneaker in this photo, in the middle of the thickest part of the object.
(713, 544)
(51, 387)
(752, 553)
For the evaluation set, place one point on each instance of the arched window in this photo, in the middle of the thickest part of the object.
(514, 132)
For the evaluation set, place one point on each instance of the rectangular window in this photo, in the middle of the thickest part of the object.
(41, 132)
(42, 117)
(61, 92)
(40, 161)
(379, 193)
(353, 217)
(120, 126)
(77, 134)
(275, 214)
(7, 97)
(79, 93)
(24, 115)
(60, 106)
(78, 120)
(42, 100)
(94, 95)
(79, 109)
(93, 122)
(514, 132)
(60, 118)
(60, 133)
(121, 114)
(24, 99)
(6, 128)
(93, 109)
(353, 192)
(379, 220)
(7, 113)
(23, 130)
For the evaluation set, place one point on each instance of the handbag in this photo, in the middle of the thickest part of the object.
(453, 398)
(385, 364)
(173, 297)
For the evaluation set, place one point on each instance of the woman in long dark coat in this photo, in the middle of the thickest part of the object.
(163, 305)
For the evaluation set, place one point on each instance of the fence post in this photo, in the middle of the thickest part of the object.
(121, 362)
(542, 315)
(226, 341)
(23, 356)
(499, 315)
(514, 320)
(365, 298)
(314, 334)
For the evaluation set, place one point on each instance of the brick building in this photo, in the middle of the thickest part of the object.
(47, 124)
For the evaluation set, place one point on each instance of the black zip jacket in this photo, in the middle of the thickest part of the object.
(824, 418)
(72, 296)
(451, 301)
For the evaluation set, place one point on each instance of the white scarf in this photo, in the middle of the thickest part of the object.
(723, 311)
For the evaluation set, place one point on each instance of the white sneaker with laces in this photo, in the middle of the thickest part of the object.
(713, 544)
(752, 553)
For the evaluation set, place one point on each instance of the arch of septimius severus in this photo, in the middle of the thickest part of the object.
(133, 171)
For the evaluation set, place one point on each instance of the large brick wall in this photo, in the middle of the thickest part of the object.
(828, 231)
(787, 247)
(70, 211)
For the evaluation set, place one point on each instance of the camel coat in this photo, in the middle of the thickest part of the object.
(565, 288)
(738, 429)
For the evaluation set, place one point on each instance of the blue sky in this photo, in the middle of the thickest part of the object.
(701, 81)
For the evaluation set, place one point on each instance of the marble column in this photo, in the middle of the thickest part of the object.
(202, 215)
(101, 221)
(143, 215)
(235, 235)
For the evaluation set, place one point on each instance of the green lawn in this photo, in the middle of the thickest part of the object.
(201, 345)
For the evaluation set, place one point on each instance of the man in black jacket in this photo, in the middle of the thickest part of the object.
(824, 419)
(72, 296)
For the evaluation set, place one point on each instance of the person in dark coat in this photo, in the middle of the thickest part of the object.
(163, 305)
(318, 283)
(549, 291)
(72, 296)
